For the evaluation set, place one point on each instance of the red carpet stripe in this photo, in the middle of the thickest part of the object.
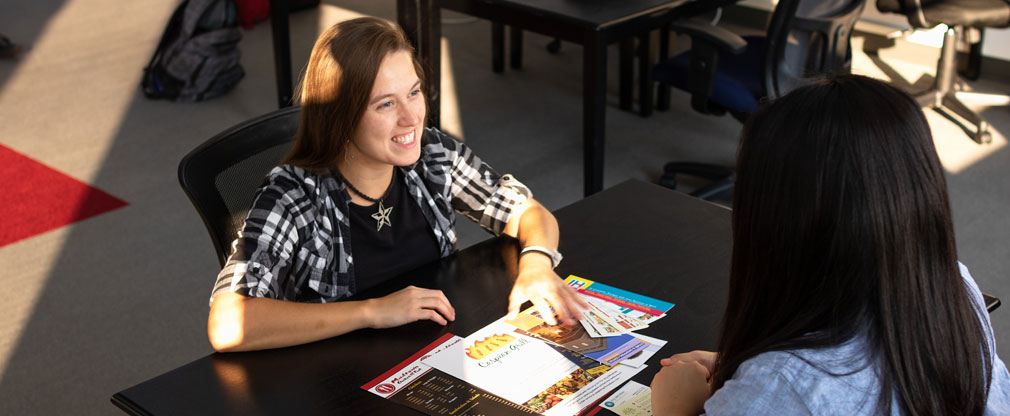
(37, 198)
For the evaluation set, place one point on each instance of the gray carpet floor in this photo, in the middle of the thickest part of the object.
(98, 306)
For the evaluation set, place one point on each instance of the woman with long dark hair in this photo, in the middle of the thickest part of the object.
(368, 193)
(846, 295)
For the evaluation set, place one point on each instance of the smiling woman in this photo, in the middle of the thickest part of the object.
(364, 169)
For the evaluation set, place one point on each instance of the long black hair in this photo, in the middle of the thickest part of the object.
(842, 228)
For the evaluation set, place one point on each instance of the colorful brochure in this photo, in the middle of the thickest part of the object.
(610, 350)
(600, 319)
(431, 391)
(614, 311)
(525, 366)
(522, 369)
(633, 399)
(620, 297)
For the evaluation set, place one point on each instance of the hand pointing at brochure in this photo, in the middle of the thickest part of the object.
(537, 232)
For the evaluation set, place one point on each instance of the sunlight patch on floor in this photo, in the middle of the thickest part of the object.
(330, 14)
(451, 122)
(956, 149)
(62, 82)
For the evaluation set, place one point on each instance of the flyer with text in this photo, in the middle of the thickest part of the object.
(611, 350)
(620, 297)
(524, 370)
(431, 391)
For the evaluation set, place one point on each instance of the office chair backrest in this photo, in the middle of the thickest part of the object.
(806, 38)
(221, 176)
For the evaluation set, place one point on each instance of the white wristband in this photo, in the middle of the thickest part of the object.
(554, 255)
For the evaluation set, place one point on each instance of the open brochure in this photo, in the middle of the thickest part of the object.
(432, 391)
(527, 371)
(525, 366)
(607, 350)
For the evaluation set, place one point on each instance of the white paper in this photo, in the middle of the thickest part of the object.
(633, 399)
(525, 370)
(655, 344)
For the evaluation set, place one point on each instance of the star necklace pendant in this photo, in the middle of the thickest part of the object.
(382, 217)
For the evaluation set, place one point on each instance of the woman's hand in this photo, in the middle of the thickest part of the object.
(408, 305)
(705, 358)
(680, 388)
(538, 283)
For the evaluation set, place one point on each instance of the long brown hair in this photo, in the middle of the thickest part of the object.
(842, 228)
(337, 84)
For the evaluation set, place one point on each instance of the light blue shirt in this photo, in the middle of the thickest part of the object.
(783, 383)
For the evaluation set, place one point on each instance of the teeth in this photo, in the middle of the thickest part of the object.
(405, 139)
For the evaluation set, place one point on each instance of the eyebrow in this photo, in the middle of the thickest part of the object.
(384, 96)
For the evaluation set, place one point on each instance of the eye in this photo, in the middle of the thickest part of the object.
(415, 92)
(386, 104)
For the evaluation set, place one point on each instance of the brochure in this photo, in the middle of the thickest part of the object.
(431, 391)
(607, 350)
(620, 297)
(501, 359)
(633, 399)
(525, 366)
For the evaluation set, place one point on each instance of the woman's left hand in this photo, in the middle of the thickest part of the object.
(680, 388)
(549, 294)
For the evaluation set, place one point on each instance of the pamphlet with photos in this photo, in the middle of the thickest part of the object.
(500, 359)
(431, 391)
(525, 366)
(607, 350)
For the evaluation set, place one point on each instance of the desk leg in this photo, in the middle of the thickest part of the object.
(430, 39)
(645, 74)
(282, 51)
(594, 101)
(626, 61)
(406, 17)
(497, 47)
(515, 47)
(663, 94)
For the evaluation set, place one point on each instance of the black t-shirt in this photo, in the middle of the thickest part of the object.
(404, 245)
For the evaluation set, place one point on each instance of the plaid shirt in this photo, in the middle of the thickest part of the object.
(295, 244)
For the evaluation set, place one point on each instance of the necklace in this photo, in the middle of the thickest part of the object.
(382, 215)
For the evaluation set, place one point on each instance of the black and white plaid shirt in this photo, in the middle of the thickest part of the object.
(295, 244)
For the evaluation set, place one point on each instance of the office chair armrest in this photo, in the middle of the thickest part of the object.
(707, 41)
(701, 30)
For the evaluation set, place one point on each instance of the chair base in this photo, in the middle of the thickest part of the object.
(942, 96)
(949, 103)
(722, 178)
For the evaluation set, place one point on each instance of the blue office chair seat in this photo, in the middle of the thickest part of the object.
(737, 86)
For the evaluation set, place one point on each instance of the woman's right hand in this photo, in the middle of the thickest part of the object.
(408, 305)
(705, 358)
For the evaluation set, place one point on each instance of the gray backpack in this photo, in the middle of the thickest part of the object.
(197, 57)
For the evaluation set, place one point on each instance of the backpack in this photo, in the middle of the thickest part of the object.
(197, 57)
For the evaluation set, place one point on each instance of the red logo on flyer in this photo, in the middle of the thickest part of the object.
(385, 388)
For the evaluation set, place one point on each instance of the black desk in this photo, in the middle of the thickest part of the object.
(635, 236)
(594, 24)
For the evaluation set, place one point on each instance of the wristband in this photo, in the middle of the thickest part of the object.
(554, 255)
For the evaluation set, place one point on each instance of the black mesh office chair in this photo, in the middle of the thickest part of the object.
(724, 72)
(958, 15)
(221, 175)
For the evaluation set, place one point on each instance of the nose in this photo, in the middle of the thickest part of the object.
(411, 114)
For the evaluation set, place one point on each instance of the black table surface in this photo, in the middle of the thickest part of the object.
(636, 236)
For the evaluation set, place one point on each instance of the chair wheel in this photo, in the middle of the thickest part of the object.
(982, 135)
